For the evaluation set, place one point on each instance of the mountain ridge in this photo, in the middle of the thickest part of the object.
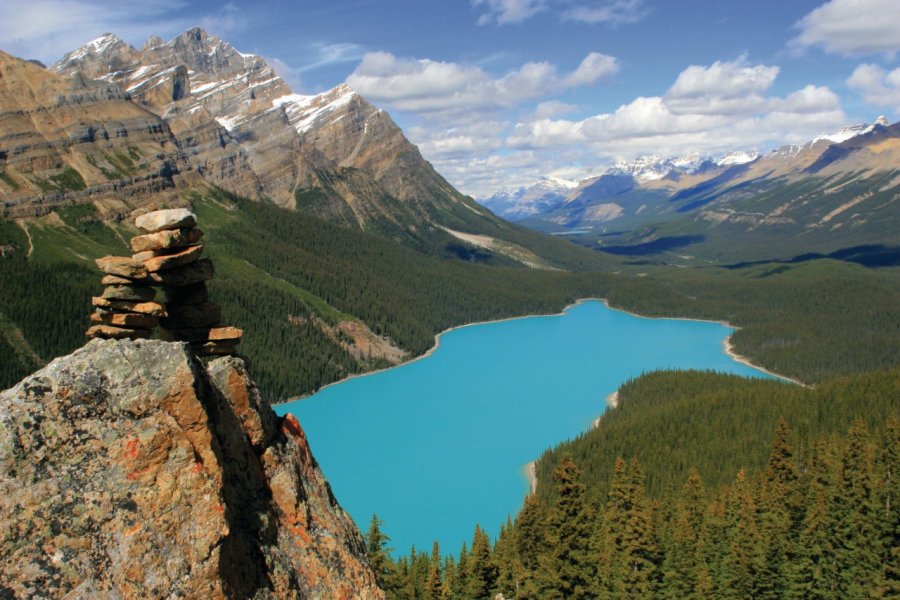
(830, 194)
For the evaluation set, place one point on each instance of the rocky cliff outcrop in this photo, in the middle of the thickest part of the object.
(130, 470)
(65, 139)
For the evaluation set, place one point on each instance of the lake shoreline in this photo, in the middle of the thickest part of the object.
(530, 468)
(728, 348)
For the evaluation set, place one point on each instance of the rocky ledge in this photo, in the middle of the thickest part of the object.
(130, 470)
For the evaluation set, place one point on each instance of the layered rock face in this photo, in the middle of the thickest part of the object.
(127, 469)
(65, 139)
(242, 128)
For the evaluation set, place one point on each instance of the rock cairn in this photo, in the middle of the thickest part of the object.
(166, 256)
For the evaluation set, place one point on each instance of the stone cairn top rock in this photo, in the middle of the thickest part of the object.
(166, 256)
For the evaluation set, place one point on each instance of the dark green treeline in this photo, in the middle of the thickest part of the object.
(821, 522)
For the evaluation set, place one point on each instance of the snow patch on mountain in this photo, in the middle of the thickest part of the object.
(737, 157)
(95, 46)
(852, 131)
(304, 111)
(654, 167)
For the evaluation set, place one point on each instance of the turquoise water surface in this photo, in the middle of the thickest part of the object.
(439, 444)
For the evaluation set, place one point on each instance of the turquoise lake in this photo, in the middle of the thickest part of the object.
(440, 444)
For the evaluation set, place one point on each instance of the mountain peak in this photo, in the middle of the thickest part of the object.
(737, 157)
(103, 42)
(852, 131)
(195, 33)
(154, 41)
(94, 48)
(550, 180)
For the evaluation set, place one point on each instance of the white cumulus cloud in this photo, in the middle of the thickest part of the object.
(553, 108)
(725, 87)
(708, 109)
(852, 27)
(428, 86)
(876, 85)
(724, 106)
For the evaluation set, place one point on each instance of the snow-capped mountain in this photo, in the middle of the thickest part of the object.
(544, 195)
(243, 129)
(653, 186)
(737, 157)
(653, 167)
(852, 131)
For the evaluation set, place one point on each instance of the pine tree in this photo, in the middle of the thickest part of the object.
(812, 574)
(715, 539)
(685, 564)
(449, 584)
(379, 556)
(629, 555)
(743, 562)
(857, 543)
(482, 573)
(888, 584)
(780, 508)
(530, 542)
(434, 583)
(567, 568)
(505, 559)
(640, 553)
(608, 531)
(462, 573)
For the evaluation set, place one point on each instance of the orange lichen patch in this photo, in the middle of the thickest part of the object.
(346, 593)
(197, 467)
(133, 530)
(131, 448)
(291, 426)
(137, 474)
(187, 410)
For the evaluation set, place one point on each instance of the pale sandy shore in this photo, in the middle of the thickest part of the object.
(729, 350)
(531, 475)
(612, 401)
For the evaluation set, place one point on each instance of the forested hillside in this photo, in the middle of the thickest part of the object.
(287, 279)
(670, 507)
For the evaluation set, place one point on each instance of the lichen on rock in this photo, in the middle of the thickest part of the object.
(128, 469)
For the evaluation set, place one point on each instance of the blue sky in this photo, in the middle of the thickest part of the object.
(498, 92)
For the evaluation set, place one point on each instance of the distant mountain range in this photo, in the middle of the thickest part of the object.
(652, 171)
(835, 191)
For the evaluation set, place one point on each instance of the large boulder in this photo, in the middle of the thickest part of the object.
(128, 470)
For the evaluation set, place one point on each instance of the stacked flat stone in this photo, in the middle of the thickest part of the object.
(125, 309)
(167, 256)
